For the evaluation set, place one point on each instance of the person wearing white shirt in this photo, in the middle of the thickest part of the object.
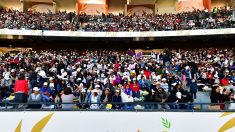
(164, 84)
(67, 97)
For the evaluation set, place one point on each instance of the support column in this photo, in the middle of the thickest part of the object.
(155, 9)
(125, 10)
(232, 4)
(76, 7)
(54, 6)
(22, 5)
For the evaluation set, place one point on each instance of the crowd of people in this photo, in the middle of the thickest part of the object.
(112, 80)
(62, 21)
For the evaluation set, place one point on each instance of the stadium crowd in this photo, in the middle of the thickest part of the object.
(62, 21)
(91, 78)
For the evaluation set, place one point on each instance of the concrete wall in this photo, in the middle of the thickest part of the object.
(10, 4)
(219, 3)
(116, 6)
(166, 6)
(142, 2)
(66, 5)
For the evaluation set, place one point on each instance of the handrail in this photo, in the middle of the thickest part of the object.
(6, 106)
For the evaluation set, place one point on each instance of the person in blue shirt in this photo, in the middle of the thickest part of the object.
(193, 89)
(45, 92)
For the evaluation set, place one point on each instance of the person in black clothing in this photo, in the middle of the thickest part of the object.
(161, 97)
(179, 95)
(106, 96)
(215, 95)
(117, 99)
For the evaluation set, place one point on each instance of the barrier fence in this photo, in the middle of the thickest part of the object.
(134, 106)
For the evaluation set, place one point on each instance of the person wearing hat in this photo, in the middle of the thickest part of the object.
(83, 99)
(117, 99)
(160, 96)
(98, 88)
(94, 98)
(101, 85)
(21, 89)
(46, 92)
(35, 97)
(165, 85)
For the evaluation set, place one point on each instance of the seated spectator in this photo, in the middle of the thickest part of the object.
(161, 97)
(94, 98)
(35, 97)
(58, 99)
(135, 88)
(67, 97)
(45, 92)
(106, 96)
(83, 99)
(215, 95)
(117, 99)
(179, 95)
(165, 85)
(128, 90)
(231, 100)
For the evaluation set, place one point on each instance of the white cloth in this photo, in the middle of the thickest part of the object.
(125, 98)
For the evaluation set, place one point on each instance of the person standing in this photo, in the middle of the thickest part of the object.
(21, 89)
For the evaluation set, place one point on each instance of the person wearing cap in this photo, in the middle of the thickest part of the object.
(140, 75)
(94, 98)
(135, 88)
(101, 85)
(165, 85)
(83, 99)
(98, 88)
(21, 89)
(117, 99)
(160, 96)
(35, 97)
(46, 92)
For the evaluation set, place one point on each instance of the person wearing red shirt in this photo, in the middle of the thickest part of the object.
(147, 73)
(21, 89)
(135, 88)
(225, 81)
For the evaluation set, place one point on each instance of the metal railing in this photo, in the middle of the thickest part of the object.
(114, 106)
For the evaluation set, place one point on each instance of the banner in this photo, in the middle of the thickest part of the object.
(140, 9)
(92, 7)
(91, 121)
